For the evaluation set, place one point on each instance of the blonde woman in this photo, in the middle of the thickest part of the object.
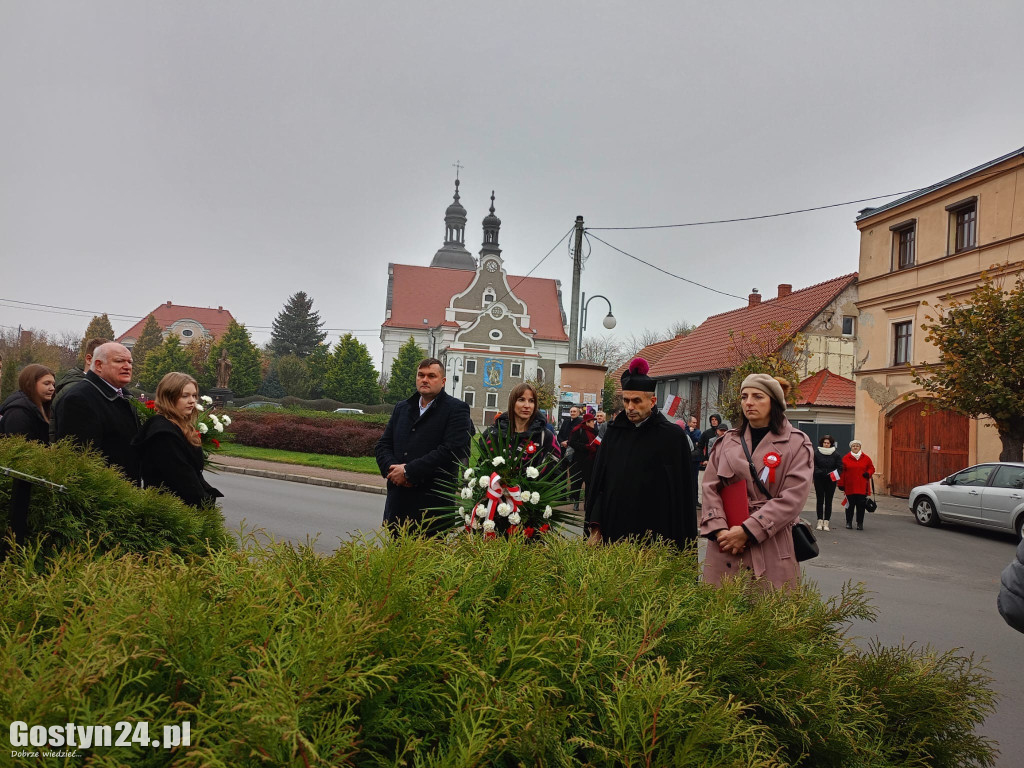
(169, 445)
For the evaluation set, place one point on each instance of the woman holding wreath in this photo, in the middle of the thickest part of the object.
(522, 423)
(774, 463)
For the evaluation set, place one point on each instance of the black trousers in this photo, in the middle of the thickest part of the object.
(824, 492)
(857, 502)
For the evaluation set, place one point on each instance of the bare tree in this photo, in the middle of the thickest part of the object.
(603, 350)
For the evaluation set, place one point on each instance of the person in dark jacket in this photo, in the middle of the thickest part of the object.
(584, 443)
(425, 439)
(170, 446)
(707, 436)
(641, 485)
(1011, 591)
(73, 376)
(565, 429)
(96, 411)
(27, 411)
(529, 426)
(826, 461)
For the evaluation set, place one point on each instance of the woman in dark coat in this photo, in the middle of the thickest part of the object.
(524, 421)
(583, 441)
(856, 481)
(826, 461)
(27, 411)
(170, 446)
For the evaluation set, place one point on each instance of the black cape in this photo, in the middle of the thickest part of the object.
(172, 462)
(20, 416)
(642, 482)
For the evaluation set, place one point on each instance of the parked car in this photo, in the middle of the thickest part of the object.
(260, 404)
(347, 410)
(985, 495)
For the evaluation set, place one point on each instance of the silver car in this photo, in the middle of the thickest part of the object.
(985, 495)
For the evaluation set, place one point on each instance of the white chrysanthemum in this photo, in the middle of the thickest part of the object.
(203, 429)
(226, 420)
(535, 498)
(214, 419)
(468, 519)
(504, 509)
(498, 461)
(218, 427)
(206, 399)
(488, 525)
(467, 493)
(547, 512)
(514, 518)
(532, 472)
(468, 473)
(481, 510)
(199, 407)
(484, 481)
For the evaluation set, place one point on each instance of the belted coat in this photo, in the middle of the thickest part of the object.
(771, 520)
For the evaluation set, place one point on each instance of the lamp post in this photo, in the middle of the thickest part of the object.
(608, 322)
(453, 367)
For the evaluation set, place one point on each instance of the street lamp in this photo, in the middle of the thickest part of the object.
(608, 322)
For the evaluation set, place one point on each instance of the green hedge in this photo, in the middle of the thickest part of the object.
(321, 404)
(419, 653)
(101, 506)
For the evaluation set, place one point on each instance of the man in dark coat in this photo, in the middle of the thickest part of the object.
(96, 411)
(425, 439)
(642, 482)
(73, 376)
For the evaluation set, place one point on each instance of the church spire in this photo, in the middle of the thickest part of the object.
(492, 224)
(453, 254)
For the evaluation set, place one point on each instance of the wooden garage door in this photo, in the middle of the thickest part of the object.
(926, 445)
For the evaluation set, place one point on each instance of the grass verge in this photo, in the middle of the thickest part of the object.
(365, 464)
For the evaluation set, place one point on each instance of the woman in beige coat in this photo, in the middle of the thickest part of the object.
(783, 457)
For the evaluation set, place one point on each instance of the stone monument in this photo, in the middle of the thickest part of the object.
(221, 393)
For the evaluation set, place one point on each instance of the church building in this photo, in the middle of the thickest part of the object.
(491, 329)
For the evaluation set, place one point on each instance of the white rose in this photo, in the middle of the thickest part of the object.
(547, 512)
(219, 427)
(488, 525)
(484, 481)
(203, 429)
(514, 518)
(226, 420)
(467, 474)
(498, 461)
(504, 509)
(535, 498)
(199, 407)
(206, 399)
(481, 510)
(532, 472)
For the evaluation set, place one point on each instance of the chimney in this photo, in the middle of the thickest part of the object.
(785, 289)
(220, 309)
(754, 298)
(168, 303)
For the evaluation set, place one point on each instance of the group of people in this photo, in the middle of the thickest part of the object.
(852, 473)
(92, 407)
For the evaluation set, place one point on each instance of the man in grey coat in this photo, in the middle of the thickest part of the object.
(1011, 592)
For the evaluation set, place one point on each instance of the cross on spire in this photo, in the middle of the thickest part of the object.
(458, 167)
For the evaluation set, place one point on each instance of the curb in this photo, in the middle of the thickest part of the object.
(293, 478)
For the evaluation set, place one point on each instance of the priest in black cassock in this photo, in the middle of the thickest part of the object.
(642, 481)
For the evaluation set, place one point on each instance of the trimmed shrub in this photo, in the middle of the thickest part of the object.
(101, 506)
(416, 652)
(322, 404)
(329, 434)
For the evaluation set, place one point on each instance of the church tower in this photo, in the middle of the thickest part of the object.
(492, 224)
(453, 254)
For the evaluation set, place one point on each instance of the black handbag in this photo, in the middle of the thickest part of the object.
(869, 503)
(805, 545)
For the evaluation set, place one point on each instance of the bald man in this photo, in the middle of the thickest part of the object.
(96, 411)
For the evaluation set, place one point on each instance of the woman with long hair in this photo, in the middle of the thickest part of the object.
(170, 446)
(27, 411)
(773, 461)
(523, 423)
(826, 462)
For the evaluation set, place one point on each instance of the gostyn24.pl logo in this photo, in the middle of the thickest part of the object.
(121, 734)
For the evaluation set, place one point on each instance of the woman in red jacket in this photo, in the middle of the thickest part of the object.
(856, 482)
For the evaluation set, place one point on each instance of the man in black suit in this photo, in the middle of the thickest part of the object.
(96, 411)
(426, 437)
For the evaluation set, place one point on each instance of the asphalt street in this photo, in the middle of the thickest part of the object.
(930, 586)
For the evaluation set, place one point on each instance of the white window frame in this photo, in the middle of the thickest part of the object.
(187, 333)
(892, 341)
(491, 400)
(515, 369)
(469, 397)
(471, 366)
(853, 325)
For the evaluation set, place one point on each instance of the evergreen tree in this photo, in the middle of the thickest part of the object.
(297, 328)
(271, 386)
(169, 356)
(316, 369)
(246, 360)
(150, 338)
(99, 328)
(351, 377)
(402, 381)
(293, 374)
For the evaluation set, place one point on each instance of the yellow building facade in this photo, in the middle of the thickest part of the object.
(915, 253)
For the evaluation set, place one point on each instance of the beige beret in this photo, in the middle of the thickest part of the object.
(768, 385)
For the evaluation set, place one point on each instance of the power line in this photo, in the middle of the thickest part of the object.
(535, 266)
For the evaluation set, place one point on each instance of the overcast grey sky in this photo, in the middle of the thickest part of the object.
(232, 153)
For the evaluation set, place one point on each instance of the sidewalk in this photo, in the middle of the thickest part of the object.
(357, 481)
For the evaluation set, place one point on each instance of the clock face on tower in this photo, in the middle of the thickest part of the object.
(491, 266)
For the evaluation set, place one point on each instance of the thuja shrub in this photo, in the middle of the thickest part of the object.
(99, 504)
(421, 653)
(338, 437)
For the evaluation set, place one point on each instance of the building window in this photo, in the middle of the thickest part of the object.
(187, 333)
(904, 246)
(517, 370)
(540, 375)
(963, 226)
(901, 342)
(471, 366)
(488, 297)
(469, 398)
(849, 325)
(495, 334)
(492, 400)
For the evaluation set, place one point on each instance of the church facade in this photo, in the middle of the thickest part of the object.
(491, 329)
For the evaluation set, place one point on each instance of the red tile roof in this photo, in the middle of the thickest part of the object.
(709, 348)
(652, 353)
(827, 388)
(213, 320)
(420, 293)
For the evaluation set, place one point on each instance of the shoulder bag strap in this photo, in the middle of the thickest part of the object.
(753, 471)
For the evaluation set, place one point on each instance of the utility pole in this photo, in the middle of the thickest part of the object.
(574, 314)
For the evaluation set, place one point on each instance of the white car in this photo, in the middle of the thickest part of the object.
(347, 410)
(985, 495)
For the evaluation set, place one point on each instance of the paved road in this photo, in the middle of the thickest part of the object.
(931, 586)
